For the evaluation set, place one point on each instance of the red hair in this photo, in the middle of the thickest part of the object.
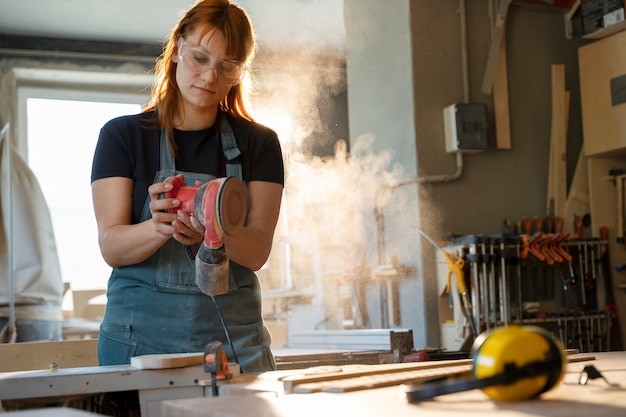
(234, 23)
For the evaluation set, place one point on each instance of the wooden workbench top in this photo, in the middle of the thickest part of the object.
(598, 398)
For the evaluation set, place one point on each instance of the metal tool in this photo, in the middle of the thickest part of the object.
(484, 287)
(475, 283)
(619, 184)
(590, 372)
(455, 267)
(220, 205)
(505, 311)
(215, 364)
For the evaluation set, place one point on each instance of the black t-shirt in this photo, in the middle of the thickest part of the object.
(129, 146)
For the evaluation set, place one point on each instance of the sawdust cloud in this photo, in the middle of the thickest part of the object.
(329, 207)
(328, 218)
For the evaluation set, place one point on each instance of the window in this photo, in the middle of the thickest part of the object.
(62, 129)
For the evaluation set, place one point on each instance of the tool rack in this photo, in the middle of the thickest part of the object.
(545, 279)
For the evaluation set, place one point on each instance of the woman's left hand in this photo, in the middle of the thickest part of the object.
(188, 229)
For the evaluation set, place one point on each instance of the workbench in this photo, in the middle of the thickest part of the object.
(264, 395)
(41, 374)
(153, 385)
(186, 391)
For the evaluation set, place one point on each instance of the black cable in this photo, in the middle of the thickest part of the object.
(417, 393)
(230, 342)
(510, 374)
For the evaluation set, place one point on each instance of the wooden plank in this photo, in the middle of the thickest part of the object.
(554, 163)
(501, 100)
(578, 197)
(559, 139)
(604, 124)
(607, 31)
(323, 374)
(348, 379)
(29, 356)
(413, 376)
(494, 49)
(167, 360)
(384, 379)
(550, 193)
(89, 304)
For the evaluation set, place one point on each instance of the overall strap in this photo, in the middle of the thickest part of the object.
(167, 161)
(230, 149)
(229, 146)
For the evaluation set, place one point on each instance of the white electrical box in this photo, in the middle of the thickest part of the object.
(465, 126)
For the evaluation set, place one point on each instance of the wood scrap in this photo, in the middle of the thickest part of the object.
(355, 371)
(557, 177)
(496, 43)
(355, 378)
(501, 100)
(167, 360)
(30, 356)
(578, 202)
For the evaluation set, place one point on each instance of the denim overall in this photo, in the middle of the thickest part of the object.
(155, 306)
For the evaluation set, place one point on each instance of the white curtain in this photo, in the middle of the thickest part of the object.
(36, 270)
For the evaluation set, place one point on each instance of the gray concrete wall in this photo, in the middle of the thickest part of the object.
(495, 183)
(400, 80)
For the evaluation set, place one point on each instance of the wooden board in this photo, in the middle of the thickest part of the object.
(607, 31)
(604, 124)
(556, 165)
(494, 48)
(578, 197)
(29, 356)
(501, 100)
(325, 374)
(558, 143)
(89, 304)
(355, 377)
(167, 361)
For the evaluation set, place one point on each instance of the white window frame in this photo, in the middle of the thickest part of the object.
(74, 85)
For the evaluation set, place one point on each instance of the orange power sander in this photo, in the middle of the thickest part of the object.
(221, 206)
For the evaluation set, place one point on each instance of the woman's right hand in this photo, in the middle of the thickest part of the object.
(182, 226)
(121, 241)
(161, 208)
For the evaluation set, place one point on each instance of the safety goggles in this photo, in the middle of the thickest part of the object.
(199, 60)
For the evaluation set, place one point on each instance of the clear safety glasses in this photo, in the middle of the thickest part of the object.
(199, 60)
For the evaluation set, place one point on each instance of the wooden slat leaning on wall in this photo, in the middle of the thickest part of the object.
(557, 176)
(29, 356)
(501, 100)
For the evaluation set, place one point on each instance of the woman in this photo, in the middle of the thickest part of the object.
(199, 102)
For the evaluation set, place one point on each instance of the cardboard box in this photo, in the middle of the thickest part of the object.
(600, 14)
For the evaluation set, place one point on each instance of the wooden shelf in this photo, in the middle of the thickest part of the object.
(604, 123)
(603, 33)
